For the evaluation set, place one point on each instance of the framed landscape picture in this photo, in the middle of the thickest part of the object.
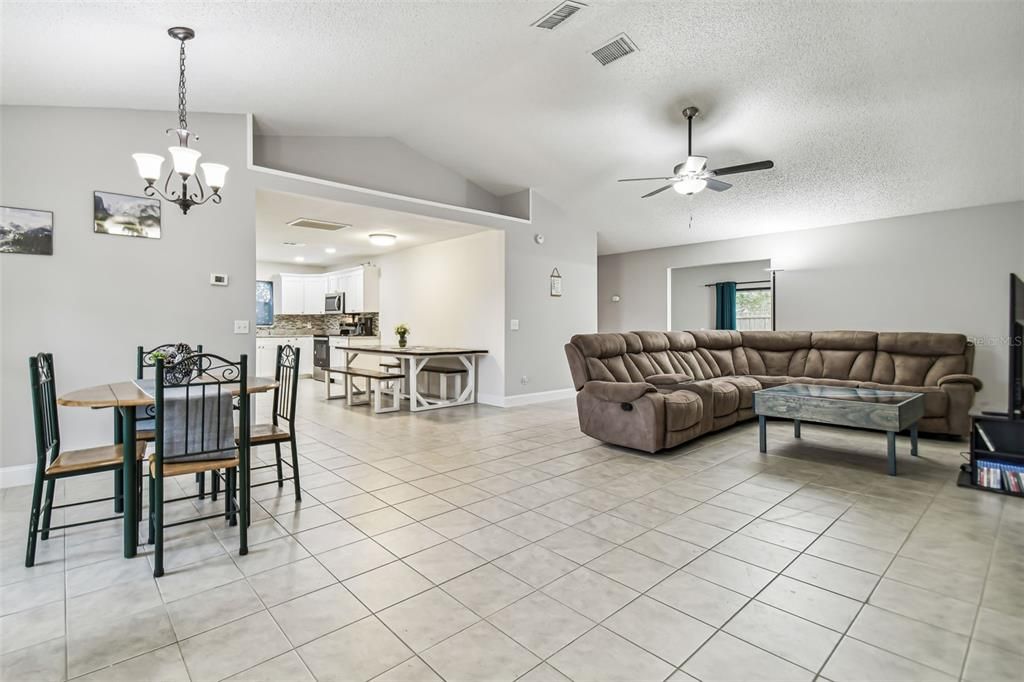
(26, 230)
(126, 215)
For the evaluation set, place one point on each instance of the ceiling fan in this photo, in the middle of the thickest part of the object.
(693, 175)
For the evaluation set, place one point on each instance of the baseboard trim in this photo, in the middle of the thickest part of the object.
(20, 474)
(540, 397)
(492, 400)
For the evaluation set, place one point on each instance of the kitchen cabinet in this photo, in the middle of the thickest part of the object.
(314, 288)
(305, 345)
(360, 285)
(266, 353)
(304, 294)
(289, 294)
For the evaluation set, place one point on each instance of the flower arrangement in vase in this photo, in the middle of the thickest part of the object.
(402, 331)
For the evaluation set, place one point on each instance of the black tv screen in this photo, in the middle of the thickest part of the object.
(1016, 347)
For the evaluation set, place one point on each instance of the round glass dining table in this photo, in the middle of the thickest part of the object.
(126, 397)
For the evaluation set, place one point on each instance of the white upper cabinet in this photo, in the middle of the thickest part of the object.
(304, 294)
(289, 294)
(314, 288)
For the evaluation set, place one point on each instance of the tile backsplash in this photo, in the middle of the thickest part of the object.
(302, 325)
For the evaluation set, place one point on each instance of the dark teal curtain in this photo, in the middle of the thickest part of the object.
(725, 305)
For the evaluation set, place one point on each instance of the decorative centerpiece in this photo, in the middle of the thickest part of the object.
(401, 331)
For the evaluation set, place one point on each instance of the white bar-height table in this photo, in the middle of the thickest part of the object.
(414, 359)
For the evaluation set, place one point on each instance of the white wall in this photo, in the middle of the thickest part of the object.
(546, 323)
(381, 163)
(99, 296)
(266, 269)
(943, 272)
(692, 304)
(450, 293)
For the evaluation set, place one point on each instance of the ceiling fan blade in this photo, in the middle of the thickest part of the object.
(717, 185)
(744, 168)
(642, 179)
(657, 191)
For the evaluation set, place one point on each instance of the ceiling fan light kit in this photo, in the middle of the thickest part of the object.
(183, 158)
(693, 176)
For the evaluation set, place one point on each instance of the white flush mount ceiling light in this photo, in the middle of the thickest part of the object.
(690, 185)
(382, 239)
(330, 249)
(183, 158)
(299, 259)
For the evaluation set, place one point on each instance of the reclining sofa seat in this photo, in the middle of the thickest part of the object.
(653, 390)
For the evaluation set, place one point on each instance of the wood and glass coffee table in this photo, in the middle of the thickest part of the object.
(865, 408)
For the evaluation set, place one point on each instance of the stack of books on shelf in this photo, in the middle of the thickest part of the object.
(1000, 476)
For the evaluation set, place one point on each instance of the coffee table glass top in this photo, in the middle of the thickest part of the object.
(864, 395)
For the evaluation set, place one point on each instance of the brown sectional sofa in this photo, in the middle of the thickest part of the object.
(654, 390)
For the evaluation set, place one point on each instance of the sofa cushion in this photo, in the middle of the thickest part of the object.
(671, 381)
(922, 343)
(746, 387)
(682, 410)
(936, 401)
(767, 381)
(599, 345)
(725, 397)
(821, 381)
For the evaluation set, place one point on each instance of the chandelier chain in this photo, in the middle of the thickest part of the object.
(182, 116)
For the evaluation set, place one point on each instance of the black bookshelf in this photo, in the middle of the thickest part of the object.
(993, 438)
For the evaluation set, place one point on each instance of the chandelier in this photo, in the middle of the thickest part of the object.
(182, 157)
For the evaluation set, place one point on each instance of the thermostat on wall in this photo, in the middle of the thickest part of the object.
(218, 280)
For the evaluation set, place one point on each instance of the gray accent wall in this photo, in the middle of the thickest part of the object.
(944, 272)
(99, 296)
(380, 163)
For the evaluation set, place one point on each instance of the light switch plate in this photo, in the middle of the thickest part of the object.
(241, 326)
(514, 325)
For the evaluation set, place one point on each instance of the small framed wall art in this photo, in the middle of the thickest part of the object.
(26, 230)
(556, 283)
(126, 215)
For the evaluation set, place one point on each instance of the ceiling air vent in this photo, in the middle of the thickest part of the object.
(616, 49)
(315, 224)
(558, 15)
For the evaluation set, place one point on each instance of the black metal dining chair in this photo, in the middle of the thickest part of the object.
(195, 433)
(286, 374)
(145, 423)
(52, 464)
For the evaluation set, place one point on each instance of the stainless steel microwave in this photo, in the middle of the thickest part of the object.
(334, 303)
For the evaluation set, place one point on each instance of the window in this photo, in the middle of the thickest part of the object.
(264, 303)
(753, 309)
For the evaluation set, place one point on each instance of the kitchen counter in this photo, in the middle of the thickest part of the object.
(347, 341)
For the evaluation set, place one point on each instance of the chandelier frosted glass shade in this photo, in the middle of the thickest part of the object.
(184, 160)
(215, 174)
(149, 166)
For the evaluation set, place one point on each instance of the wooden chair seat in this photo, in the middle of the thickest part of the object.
(181, 468)
(266, 433)
(101, 457)
(145, 436)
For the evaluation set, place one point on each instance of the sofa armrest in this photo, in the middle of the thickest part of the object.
(669, 381)
(961, 379)
(616, 392)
